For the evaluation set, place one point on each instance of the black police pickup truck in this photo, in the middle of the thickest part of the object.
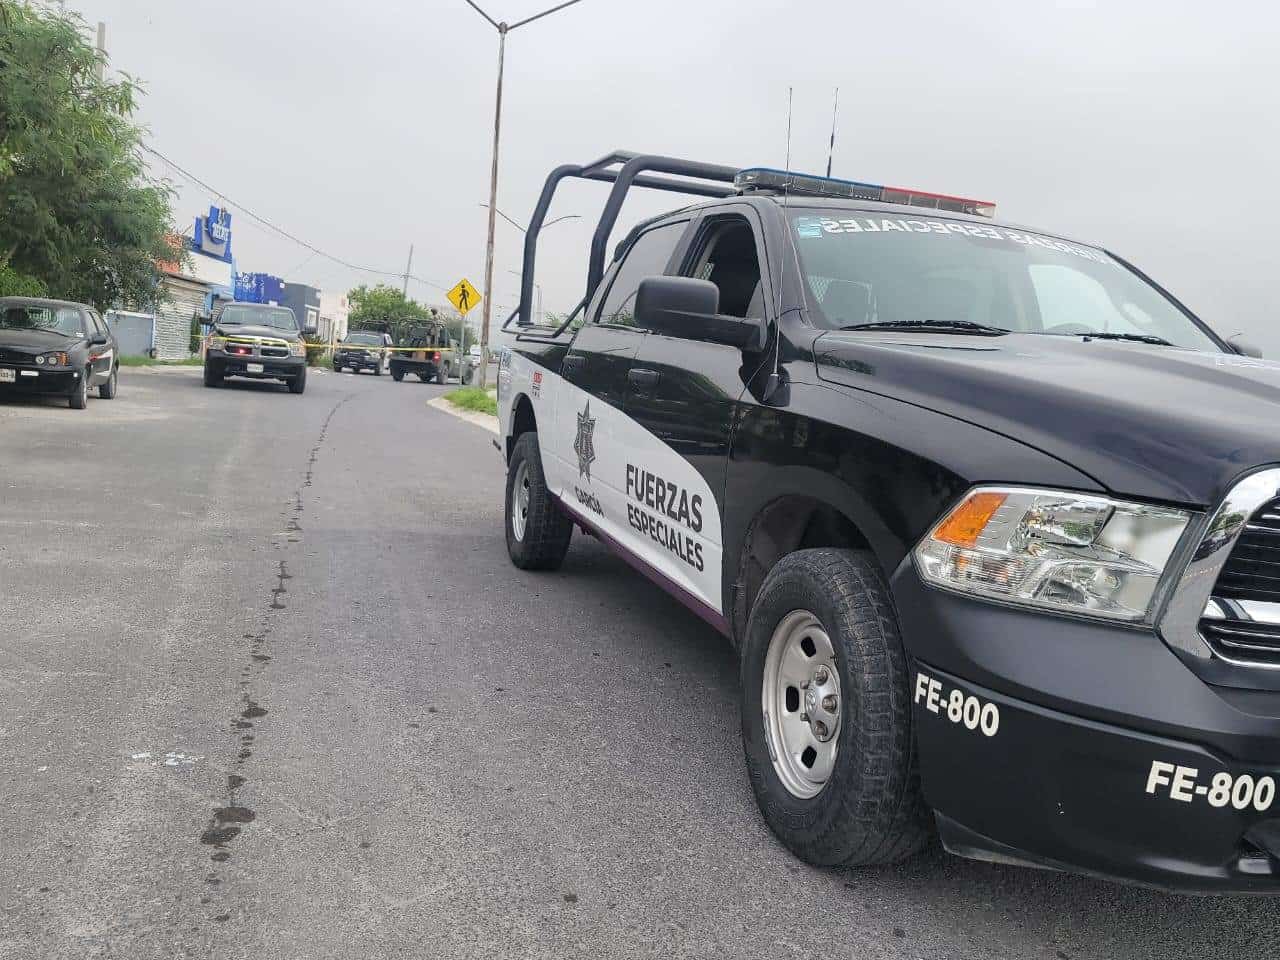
(992, 519)
(259, 341)
(56, 347)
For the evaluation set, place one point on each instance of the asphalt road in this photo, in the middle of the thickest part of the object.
(269, 688)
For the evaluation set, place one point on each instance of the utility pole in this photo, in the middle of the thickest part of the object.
(503, 29)
(404, 290)
(493, 206)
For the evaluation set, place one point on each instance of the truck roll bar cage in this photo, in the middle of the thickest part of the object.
(624, 170)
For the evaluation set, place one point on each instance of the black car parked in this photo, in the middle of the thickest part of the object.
(56, 347)
(992, 520)
(363, 350)
(258, 341)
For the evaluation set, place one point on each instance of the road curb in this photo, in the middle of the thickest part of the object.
(483, 420)
(161, 367)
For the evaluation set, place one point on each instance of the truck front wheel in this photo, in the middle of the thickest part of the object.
(826, 712)
(538, 531)
(397, 372)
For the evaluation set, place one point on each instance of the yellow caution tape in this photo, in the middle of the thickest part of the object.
(268, 342)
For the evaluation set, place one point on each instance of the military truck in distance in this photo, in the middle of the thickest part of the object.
(425, 350)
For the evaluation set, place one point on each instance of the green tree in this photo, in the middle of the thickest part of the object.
(14, 284)
(381, 304)
(385, 307)
(81, 213)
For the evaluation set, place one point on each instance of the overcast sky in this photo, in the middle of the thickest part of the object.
(1150, 127)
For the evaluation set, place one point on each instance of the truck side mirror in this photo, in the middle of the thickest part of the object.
(1244, 348)
(688, 308)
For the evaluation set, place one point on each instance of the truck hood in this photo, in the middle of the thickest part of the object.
(253, 330)
(37, 341)
(1144, 421)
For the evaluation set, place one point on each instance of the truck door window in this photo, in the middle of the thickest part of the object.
(648, 256)
(727, 257)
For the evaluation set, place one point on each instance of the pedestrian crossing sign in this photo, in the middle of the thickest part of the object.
(464, 297)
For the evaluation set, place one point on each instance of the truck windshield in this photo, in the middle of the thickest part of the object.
(364, 340)
(864, 268)
(258, 315)
(64, 320)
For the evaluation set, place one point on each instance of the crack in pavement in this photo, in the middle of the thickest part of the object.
(228, 821)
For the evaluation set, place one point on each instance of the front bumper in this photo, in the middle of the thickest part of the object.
(1088, 747)
(357, 361)
(273, 368)
(35, 380)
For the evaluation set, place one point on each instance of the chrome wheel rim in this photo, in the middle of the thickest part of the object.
(802, 704)
(520, 500)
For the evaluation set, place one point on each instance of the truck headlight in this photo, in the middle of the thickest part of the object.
(1052, 549)
(298, 348)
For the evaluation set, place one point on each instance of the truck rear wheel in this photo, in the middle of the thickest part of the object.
(397, 373)
(538, 531)
(826, 712)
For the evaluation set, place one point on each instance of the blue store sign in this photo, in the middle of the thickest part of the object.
(259, 288)
(213, 234)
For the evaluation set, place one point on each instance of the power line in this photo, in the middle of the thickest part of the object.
(285, 233)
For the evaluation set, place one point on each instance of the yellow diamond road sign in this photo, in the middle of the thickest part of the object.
(464, 297)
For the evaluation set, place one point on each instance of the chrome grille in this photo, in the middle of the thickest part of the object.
(1242, 618)
(1252, 571)
(1247, 638)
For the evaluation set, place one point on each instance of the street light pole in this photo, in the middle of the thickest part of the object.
(503, 29)
(493, 206)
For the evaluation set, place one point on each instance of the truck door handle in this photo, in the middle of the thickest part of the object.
(573, 361)
(642, 377)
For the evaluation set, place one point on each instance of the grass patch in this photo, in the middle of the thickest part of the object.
(149, 362)
(474, 399)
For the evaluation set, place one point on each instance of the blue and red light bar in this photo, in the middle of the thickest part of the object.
(807, 185)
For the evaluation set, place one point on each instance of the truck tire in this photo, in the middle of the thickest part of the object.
(212, 376)
(108, 390)
(298, 383)
(825, 691)
(79, 398)
(538, 531)
(397, 373)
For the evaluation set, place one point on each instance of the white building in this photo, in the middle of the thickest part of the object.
(334, 311)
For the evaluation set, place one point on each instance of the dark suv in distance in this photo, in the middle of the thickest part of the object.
(363, 350)
(56, 347)
(259, 341)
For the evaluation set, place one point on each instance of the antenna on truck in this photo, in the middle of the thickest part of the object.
(835, 109)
